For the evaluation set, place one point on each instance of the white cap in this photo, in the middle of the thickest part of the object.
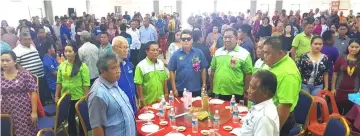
(216, 111)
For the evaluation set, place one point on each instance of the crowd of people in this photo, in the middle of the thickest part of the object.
(115, 63)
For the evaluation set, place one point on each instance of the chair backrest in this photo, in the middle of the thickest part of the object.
(303, 107)
(82, 112)
(313, 118)
(323, 94)
(6, 125)
(62, 110)
(46, 132)
(337, 126)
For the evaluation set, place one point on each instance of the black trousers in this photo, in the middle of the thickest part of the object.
(72, 129)
(44, 91)
(134, 57)
(289, 124)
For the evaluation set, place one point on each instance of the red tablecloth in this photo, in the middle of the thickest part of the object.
(354, 114)
(225, 120)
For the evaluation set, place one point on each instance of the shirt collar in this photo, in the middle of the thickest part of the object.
(281, 61)
(236, 48)
(107, 83)
(192, 49)
(150, 62)
(263, 104)
(338, 37)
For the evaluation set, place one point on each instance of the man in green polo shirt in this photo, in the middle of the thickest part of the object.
(151, 76)
(288, 79)
(302, 42)
(231, 68)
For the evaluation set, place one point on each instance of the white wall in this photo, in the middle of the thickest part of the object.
(167, 6)
(234, 6)
(60, 7)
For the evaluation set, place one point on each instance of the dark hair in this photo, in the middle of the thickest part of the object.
(78, 25)
(106, 33)
(197, 34)
(267, 19)
(77, 62)
(103, 27)
(344, 25)
(123, 27)
(186, 31)
(268, 82)
(314, 38)
(275, 43)
(102, 63)
(148, 44)
(13, 56)
(327, 35)
(38, 30)
(232, 30)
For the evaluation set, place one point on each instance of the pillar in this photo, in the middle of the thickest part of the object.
(253, 7)
(156, 5)
(279, 5)
(215, 6)
(179, 8)
(49, 11)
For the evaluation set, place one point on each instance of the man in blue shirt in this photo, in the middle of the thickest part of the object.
(187, 67)
(147, 34)
(50, 68)
(110, 112)
(126, 80)
(65, 32)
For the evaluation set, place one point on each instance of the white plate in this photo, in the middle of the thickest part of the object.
(242, 109)
(157, 105)
(146, 116)
(216, 101)
(150, 128)
(174, 134)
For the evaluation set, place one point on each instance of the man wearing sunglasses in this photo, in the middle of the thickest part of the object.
(187, 67)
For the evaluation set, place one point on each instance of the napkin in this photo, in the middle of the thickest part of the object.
(216, 101)
(150, 128)
(236, 131)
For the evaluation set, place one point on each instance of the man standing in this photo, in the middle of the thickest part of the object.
(151, 76)
(263, 119)
(246, 42)
(288, 82)
(342, 41)
(65, 32)
(110, 112)
(302, 42)
(88, 54)
(120, 47)
(147, 34)
(135, 43)
(127, 16)
(105, 46)
(42, 39)
(231, 68)
(187, 67)
(259, 64)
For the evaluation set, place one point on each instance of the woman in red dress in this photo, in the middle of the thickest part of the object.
(16, 85)
(346, 75)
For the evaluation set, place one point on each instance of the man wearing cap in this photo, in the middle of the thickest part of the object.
(88, 54)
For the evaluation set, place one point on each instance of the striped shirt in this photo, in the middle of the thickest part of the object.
(29, 59)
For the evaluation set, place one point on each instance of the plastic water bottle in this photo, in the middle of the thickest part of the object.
(171, 99)
(161, 111)
(232, 102)
(172, 117)
(216, 120)
(163, 102)
(235, 114)
(185, 99)
(194, 123)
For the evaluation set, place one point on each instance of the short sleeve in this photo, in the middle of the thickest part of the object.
(265, 127)
(172, 63)
(248, 67)
(85, 75)
(296, 41)
(213, 63)
(138, 79)
(97, 112)
(51, 67)
(288, 89)
(337, 64)
(59, 74)
(204, 63)
(30, 82)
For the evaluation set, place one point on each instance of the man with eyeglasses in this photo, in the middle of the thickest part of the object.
(151, 76)
(187, 67)
(231, 68)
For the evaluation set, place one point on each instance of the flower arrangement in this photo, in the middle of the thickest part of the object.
(196, 64)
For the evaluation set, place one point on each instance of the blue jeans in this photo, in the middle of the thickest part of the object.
(311, 89)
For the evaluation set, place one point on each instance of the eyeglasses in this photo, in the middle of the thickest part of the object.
(186, 39)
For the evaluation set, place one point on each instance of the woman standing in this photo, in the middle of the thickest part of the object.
(345, 78)
(212, 37)
(313, 67)
(174, 46)
(265, 28)
(73, 77)
(287, 38)
(317, 27)
(16, 85)
(324, 26)
(112, 31)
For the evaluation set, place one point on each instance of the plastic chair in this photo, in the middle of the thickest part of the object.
(301, 113)
(337, 126)
(50, 109)
(62, 112)
(323, 94)
(46, 132)
(6, 125)
(82, 112)
(315, 127)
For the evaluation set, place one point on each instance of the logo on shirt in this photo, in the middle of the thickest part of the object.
(181, 58)
(52, 66)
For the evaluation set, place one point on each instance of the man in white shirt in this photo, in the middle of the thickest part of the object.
(135, 43)
(89, 54)
(262, 119)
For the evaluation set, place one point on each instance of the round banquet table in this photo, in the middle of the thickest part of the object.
(225, 119)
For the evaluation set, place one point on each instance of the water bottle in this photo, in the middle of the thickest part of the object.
(161, 111)
(171, 99)
(163, 101)
(232, 102)
(185, 99)
(216, 120)
(194, 123)
(235, 114)
(172, 117)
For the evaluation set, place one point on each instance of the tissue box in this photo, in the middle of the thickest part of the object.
(355, 98)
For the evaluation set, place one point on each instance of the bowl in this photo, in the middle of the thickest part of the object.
(163, 123)
(205, 132)
(181, 128)
(227, 128)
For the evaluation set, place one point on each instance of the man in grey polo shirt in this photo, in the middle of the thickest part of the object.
(89, 54)
(342, 41)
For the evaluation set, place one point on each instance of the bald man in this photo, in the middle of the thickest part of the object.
(120, 47)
